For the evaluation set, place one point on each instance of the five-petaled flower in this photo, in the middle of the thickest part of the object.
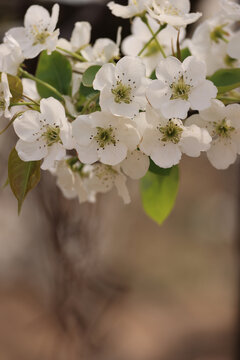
(44, 135)
(38, 32)
(180, 86)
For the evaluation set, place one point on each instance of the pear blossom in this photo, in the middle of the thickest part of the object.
(173, 12)
(133, 44)
(71, 179)
(102, 178)
(222, 123)
(105, 137)
(10, 56)
(5, 96)
(30, 90)
(38, 32)
(103, 51)
(122, 87)
(43, 135)
(134, 8)
(180, 86)
(210, 43)
(166, 139)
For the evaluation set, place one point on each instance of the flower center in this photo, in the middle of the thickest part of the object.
(152, 49)
(39, 36)
(219, 33)
(51, 135)
(223, 130)
(169, 9)
(122, 93)
(229, 61)
(171, 132)
(180, 90)
(105, 137)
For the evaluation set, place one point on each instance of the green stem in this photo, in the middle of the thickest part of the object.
(27, 97)
(93, 99)
(43, 83)
(24, 103)
(228, 99)
(72, 54)
(145, 20)
(152, 38)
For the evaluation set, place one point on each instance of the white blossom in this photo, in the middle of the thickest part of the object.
(166, 139)
(210, 43)
(102, 178)
(222, 122)
(173, 12)
(180, 86)
(133, 44)
(122, 87)
(105, 137)
(10, 56)
(134, 8)
(38, 32)
(72, 180)
(43, 135)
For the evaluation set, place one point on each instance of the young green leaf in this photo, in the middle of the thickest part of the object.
(56, 70)
(23, 176)
(159, 192)
(89, 75)
(226, 79)
(15, 86)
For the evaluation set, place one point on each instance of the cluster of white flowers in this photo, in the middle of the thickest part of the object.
(149, 105)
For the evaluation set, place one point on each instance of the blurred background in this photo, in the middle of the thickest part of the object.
(103, 282)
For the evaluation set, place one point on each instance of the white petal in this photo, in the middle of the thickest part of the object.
(168, 69)
(130, 70)
(87, 154)
(27, 126)
(195, 70)
(194, 140)
(112, 155)
(128, 135)
(81, 35)
(175, 109)
(166, 156)
(53, 111)
(201, 96)
(158, 93)
(83, 132)
(136, 164)
(31, 151)
(221, 155)
(37, 15)
(54, 18)
(105, 76)
(55, 152)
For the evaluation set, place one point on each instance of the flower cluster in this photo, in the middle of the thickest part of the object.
(120, 114)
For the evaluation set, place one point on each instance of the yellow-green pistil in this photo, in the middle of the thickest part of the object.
(222, 129)
(180, 90)
(219, 33)
(122, 93)
(105, 137)
(52, 135)
(171, 132)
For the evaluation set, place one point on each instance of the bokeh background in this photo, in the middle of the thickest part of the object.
(103, 282)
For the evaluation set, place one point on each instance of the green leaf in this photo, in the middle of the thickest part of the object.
(23, 176)
(159, 192)
(88, 99)
(89, 75)
(226, 79)
(185, 53)
(56, 70)
(16, 88)
(153, 75)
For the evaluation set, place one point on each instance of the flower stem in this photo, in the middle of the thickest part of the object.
(145, 20)
(43, 83)
(72, 54)
(27, 97)
(24, 103)
(152, 38)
